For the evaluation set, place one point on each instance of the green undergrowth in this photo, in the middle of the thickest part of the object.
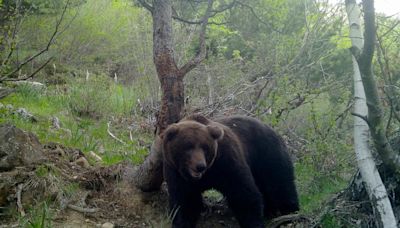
(84, 109)
(314, 189)
(39, 216)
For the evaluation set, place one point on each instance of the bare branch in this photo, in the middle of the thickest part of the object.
(51, 40)
(146, 5)
(6, 79)
(257, 17)
(365, 118)
(194, 22)
(13, 42)
(202, 52)
(391, 28)
(212, 14)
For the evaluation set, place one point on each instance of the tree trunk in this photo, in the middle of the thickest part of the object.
(149, 175)
(390, 158)
(369, 172)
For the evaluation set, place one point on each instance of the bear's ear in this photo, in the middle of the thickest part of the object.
(170, 132)
(216, 132)
(199, 118)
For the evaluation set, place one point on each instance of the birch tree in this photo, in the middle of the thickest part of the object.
(369, 172)
(364, 55)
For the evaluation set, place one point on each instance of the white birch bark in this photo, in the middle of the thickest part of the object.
(369, 172)
(210, 83)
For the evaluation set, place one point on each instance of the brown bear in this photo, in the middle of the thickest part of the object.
(240, 157)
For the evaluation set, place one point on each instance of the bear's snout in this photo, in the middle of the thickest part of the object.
(201, 167)
(197, 164)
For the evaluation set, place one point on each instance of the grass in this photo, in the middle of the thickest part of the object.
(84, 108)
(37, 217)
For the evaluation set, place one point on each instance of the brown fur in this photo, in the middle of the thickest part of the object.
(240, 157)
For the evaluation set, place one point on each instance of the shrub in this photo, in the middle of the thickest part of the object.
(90, 98)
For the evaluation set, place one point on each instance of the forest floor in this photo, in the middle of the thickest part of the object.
(79, 194)
(95, 196)
(70, 188)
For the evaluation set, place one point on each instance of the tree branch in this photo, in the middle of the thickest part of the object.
(6, 79)
(13, 42)
(202, 52)
(51, 40)
(365, 118)
(212, 14)
(146, 5)
(195, 22)
(258, 18)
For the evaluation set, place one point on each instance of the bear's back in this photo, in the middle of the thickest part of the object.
(261, 144)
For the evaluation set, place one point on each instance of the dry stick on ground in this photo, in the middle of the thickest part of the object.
(82, 209)
(20, 187)
(285, 219)
(112, 135)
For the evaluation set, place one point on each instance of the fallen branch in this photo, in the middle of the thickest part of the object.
(82, 209)
(19, 202)
(112, 135)
(291, 218)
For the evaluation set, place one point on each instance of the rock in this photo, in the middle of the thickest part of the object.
(21, 112)
(107, 225)
(34, 85)
(5, 92)
(55, 122)
(82, 162)
(9, 107)
(18, 148)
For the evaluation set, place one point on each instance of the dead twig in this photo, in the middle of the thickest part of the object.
(45, 49)
(291, 218)
(112, 135)
(5, 79)
(82, 209)
(19, 201)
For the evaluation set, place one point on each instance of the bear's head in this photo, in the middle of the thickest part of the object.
(191, 147)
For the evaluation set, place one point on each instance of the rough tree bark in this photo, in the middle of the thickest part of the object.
(149, 175)
(369, 172)
(364, 55)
